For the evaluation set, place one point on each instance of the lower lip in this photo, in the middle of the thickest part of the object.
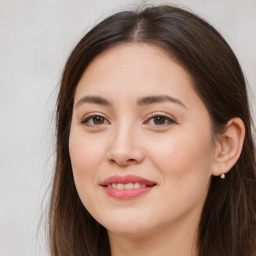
(126, 194)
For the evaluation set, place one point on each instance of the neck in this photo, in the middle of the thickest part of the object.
(175, 240)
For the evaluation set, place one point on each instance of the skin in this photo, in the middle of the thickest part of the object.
(179, 155)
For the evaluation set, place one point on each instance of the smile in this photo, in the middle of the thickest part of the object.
(126, 187)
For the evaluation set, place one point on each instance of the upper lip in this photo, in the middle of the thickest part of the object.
(127, 179)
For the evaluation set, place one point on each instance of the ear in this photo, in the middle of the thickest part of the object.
(228, 146)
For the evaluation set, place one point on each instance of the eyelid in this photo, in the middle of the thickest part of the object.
(169, 118)
(88, 116)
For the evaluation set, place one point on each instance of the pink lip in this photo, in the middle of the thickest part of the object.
(127, 179)
(130, 193)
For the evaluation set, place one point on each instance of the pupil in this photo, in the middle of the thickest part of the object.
(159, 120)
(98, 120)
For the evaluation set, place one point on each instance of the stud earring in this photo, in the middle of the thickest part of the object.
(222, 175)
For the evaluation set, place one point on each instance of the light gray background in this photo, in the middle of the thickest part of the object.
(35, 39)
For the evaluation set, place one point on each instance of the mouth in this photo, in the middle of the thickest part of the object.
(127, 187)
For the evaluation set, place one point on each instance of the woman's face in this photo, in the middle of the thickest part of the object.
(140, 143)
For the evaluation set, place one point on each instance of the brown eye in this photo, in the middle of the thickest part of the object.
(159, 120)
(98, 120)
(94, 120)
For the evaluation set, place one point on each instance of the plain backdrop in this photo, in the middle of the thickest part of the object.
(36, 37)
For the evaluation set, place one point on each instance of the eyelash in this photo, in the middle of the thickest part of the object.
(167, 120)
(86, 120)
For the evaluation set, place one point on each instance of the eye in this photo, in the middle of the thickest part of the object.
(94, 120)
(160, 120)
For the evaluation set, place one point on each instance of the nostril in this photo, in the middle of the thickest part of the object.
(128, 161)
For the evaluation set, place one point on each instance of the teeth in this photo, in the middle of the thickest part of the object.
(136, 185)
(127, 186)
(120, 186)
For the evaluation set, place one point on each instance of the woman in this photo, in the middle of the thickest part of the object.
(154, 146)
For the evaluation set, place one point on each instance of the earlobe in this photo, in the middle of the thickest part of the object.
(229, 146)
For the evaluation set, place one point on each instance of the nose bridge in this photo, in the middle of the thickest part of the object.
(125, 147)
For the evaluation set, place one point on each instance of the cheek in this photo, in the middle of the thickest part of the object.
(86, 156)
(184, 158)
(184, 165)
(84, 152)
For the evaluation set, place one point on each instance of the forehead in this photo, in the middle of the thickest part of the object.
(136, 68)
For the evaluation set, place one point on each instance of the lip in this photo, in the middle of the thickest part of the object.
(130, 193)
(127, 179)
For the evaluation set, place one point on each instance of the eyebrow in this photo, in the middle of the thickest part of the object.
(140, 102)
(158, 99)
(93, 100)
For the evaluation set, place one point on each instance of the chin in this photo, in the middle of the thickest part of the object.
(129, 230)
(127, 226)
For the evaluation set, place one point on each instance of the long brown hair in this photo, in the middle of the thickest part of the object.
(228, 222)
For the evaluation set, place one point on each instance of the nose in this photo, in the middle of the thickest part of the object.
(125, 147)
